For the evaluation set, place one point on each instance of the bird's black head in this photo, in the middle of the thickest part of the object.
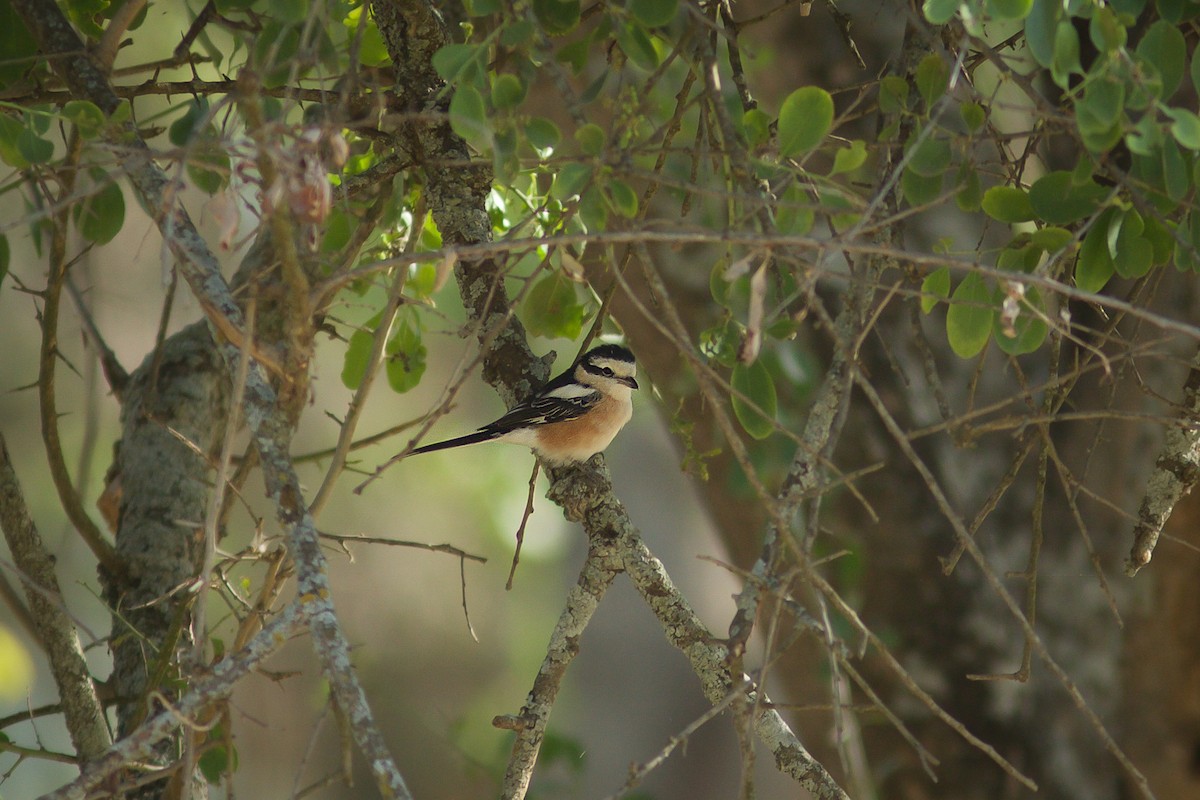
(613, 352)
(610, 362)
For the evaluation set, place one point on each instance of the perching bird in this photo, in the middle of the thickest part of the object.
(572, 417)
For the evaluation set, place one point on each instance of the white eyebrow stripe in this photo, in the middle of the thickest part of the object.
(624, 369)
(570, 391)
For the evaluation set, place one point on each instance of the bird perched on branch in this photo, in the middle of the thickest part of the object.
(571, 418)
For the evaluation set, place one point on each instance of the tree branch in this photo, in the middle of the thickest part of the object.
(271, 433)
(1175, 474)
(80, 704)
(218, 685)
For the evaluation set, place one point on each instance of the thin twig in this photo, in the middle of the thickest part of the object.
(521, 528)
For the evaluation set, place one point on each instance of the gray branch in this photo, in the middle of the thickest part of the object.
(218, 685)
(1175, 473)
(271, 433)
(80, 705)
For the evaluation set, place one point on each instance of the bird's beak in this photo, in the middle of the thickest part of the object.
(630, 382)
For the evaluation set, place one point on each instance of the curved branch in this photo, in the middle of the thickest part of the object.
(80, 703)
(271, 433)
(1175, 474)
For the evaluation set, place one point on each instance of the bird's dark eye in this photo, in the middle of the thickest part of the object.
(605, 371)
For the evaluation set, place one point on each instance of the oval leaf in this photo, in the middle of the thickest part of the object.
(1007, 204)
(653, 13)
(552, 310)
(804, 119)
(969, 320)
(405, 358)
(754, 382)
(1058, 200)
(101, 215)
(935, 287)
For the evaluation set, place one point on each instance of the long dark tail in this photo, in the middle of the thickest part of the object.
(470, 438)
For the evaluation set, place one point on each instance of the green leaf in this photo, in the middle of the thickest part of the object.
(101, 215)
(1040, 27)
(637, 45)
(893, 94)
(290, 11)
(794, 216)
(1134, 254)
(973, 116)
(622, 198)
(571, 180)
(1161, 239)
(468, 117)
(405, 357)
(10, 131)
(1143, 83)
(755, 383)
(17, 671)
(483, 8)
(969, 319)
(1185, 249)
(932, 78)
(920, 190)
(1019, 258)
(215, 762)
(591, 139)
(1102, 105)
(593, 209)
(275, 51)
(16, 44)
(1007, 204)
(721, 342)
(848, 159)
(1057, 200)
(1176, 11)
(718, 286)
(542, 133)
(1095, 266)
(970, 193)
(653, 13)
(939, 12)
(453, 61)
(1051, 239)
(86, 116)
(1029, 325)
(208, 166)
(934, 288)
(507, 91)
(337, 231)
(804, 119)
(1106, 31)
(1177, 177)
(182, 129)
(1066, 54)
(756, 126)
(1185, 127)
(928, 155)
(557, 16)
(517, 34)
(1163, 46)
(34, 148)
(1009, 9)
(1146, 138)
(552, 309)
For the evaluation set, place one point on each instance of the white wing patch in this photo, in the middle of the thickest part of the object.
(571, 391)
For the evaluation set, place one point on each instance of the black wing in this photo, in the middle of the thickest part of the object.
(541, 411)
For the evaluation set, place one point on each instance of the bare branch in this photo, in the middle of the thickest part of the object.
(80, 703)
